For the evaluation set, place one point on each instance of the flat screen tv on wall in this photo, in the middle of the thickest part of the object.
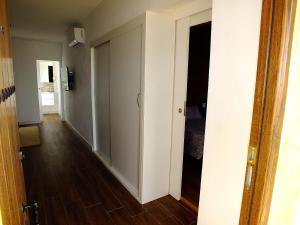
(69, 80)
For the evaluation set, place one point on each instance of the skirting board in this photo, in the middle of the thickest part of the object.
(77, 133)
(132, 190)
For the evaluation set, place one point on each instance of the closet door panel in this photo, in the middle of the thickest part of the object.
(125, 79)
(102, 108)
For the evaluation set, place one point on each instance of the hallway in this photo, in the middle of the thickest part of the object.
(72, 187)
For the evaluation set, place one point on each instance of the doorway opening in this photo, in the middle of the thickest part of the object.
(49, 89)
(285, 203)
(196, 102)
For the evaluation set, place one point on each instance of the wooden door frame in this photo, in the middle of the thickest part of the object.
(276, 36)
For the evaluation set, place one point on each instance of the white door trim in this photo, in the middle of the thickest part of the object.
(93, 98)
(180, 89)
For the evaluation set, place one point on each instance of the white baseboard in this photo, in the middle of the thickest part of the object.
(78, 133)
(132, 190)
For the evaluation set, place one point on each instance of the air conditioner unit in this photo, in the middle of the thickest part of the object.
(77, 37)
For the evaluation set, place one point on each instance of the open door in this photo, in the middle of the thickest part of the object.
(12, 190)
(192, 58)
(271, 87)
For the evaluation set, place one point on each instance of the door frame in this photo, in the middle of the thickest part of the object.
(179, 94)
(39, 89)
(60, 102)
(276, 34)
(94, 100)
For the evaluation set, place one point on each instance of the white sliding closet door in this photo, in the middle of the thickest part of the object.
(102, 108)
(125, 86)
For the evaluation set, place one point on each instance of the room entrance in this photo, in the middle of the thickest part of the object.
(193, 35)
(48, 76)
(196, 101)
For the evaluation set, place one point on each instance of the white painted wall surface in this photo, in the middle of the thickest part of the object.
(157, 99)
(77, 102)
(125, 87)
(234, 52)
(25, 54)
(235, 38)
(109, 15)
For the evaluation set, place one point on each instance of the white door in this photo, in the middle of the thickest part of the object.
(180, 90)
(102, 106)
(125, 86)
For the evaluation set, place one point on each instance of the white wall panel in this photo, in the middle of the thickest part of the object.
(102, 105)
(125, 87)
(234, 53)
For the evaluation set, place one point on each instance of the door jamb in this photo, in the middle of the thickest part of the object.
(270, 96)
(60, 91)
(39, 91)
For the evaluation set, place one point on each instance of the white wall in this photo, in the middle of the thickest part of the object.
(25, 54)
(158, 98)
(235, 38)
(77, 103)
(234, 52)
(109, 15)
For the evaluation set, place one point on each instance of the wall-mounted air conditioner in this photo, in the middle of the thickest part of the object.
(77, 37)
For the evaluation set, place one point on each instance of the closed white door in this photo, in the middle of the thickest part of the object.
(102, 108)
(125, 86)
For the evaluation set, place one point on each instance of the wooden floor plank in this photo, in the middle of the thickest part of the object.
(170, 220)
(157, 211)
(55, 212)
(144, 219)
(73, 187)
(107, 198)
(87, 192)
(185, 216)
(76, 214)
(98, 216)
(122, 194)
(121, 217)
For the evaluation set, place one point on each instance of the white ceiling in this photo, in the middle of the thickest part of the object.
(47, 19)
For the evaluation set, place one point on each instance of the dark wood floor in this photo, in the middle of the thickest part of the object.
(191, 180)
(72, 187)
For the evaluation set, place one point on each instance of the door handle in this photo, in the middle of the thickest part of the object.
(35, 209)
(138, 100)
(251, 163)
(22, 156)
(2, 29)
(180, 110)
